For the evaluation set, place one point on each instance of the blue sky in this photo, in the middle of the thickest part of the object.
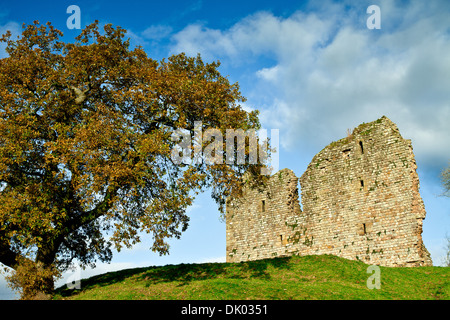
(312, 68)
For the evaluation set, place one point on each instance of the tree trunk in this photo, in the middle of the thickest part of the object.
(35, 280)
(46, 289)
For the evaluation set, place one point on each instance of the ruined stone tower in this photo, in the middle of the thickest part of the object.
(360, 198)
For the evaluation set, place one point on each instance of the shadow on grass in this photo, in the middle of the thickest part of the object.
(101, 281)
(184, 273)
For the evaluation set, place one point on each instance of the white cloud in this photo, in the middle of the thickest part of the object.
(136, 39)
(261, 33)
(150, 36)
(246, 107)
(157, 32)
(269, 74)
(15, 30)
(332, 73)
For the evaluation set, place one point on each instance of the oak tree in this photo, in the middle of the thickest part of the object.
(85, 148)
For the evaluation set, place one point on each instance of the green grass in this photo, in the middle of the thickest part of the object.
(310, 277)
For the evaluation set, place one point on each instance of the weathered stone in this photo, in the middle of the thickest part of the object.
(360, 198)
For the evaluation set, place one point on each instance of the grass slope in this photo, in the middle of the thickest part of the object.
(309, 277)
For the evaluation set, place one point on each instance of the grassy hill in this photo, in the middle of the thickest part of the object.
(309, 277)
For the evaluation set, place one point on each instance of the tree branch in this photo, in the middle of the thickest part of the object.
(89, 216)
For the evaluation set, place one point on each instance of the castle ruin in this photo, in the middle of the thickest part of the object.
(360, 199)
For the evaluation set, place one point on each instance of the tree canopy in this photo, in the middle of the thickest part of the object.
(85, 147)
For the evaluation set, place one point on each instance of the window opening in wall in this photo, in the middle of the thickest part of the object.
(263, 205)
(283, 240)
(362, 183)
(346, 153)
(361, 146)
(364, 228)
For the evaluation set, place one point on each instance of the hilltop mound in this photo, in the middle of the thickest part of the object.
(289, 278)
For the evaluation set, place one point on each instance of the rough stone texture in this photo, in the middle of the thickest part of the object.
(360, 198)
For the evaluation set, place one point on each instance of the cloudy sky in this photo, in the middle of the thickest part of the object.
(312, 68)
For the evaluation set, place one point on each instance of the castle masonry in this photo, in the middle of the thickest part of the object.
(360, 199)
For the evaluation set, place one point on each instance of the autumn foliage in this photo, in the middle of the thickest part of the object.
(85, 148)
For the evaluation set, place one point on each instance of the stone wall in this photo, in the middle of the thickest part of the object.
(258, 223)
(360, 198)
